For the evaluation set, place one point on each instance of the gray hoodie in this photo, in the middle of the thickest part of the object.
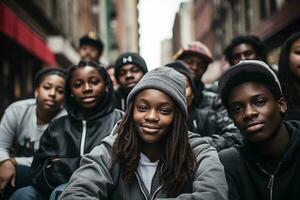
(95, 180)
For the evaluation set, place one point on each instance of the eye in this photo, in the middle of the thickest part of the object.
(76, 84)
(236, 108)
(122, 73)
(260, 102)
(248, 53)
(142, 107)
(297, 52)
(165, 111)
(135, 70)
(47, 87)
(60, 90)
(95, 81)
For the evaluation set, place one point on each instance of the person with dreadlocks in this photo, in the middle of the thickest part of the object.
(289, 75)
(151, 154)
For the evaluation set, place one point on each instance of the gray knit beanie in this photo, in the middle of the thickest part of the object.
(166, 80)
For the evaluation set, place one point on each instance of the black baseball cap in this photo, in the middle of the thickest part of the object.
(248, 70)
(93, 39)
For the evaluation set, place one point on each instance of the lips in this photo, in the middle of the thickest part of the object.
(88, 99)
(149, 129)
(50, 102)
(131, 84)
(254, 126)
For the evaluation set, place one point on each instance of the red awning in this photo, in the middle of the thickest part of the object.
(13, 27)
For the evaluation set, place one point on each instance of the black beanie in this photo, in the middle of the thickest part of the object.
(129, 58)
(181, 67)
(166, 80)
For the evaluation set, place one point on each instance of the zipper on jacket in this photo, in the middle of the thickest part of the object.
(123, 104)
(271, 180)
(195, 124)
(156, 192)
(83, 135)
(140, 185)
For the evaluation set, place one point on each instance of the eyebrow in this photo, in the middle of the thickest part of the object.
(253, 97)
(162, 103)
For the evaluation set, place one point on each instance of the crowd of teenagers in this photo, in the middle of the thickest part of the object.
(123, 132)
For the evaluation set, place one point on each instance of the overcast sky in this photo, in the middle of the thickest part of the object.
(156, 18)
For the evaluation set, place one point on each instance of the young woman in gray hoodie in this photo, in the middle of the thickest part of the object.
(151, 154)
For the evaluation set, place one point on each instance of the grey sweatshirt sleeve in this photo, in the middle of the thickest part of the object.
(209, 180)
(93, 179)
(8, 129)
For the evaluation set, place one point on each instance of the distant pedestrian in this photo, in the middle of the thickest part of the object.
(129, 69)
(90, 47)
(289, 75)
(197, 57)
(152, 155)
(245, 47)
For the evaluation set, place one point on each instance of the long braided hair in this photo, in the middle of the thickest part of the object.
(177, 160)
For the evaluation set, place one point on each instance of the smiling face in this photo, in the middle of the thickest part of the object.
(87, 87)
(255, 111)
(295, 59)
(129, 76)
(153, 115)
(50, 93)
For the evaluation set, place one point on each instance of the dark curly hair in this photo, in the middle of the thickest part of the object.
(177, 160)
(258, 45)
(287, 79)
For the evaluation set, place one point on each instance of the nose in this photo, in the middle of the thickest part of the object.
(250, 112)
(52, 92)
(87, 87)
(128, 74)
(152, 116)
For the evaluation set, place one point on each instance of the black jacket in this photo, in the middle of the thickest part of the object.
(218, 130)
(292, 112)
(68, 138)
(251, 176)
(119, 99)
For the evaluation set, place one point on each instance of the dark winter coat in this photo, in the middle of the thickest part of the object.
(251, 176)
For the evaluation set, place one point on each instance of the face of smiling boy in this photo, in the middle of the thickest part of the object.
(153, 115)
(87, 86)
(255, 111)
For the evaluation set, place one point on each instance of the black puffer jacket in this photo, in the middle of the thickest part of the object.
(68, 138)
(217, 128)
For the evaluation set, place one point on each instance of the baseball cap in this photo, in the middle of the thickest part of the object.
(194, 48)
(93, 39)
(247, 70)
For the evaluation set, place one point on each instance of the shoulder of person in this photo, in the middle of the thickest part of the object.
(230, 157)
(198, 144)
(22, 104)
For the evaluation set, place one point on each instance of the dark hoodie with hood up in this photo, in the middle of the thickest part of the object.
(68, 138)
(253, 176)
